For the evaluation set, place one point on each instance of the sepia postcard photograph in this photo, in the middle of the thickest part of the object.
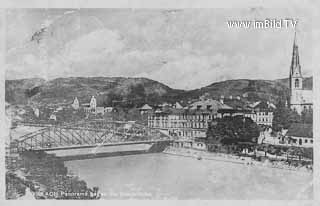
(159, 103)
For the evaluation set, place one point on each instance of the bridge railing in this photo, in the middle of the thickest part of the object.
(89, 133)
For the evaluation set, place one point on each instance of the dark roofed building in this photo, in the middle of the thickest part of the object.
(301, 134)
(209, 104)
(300, 130)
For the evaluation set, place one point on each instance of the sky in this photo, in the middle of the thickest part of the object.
(182, 48)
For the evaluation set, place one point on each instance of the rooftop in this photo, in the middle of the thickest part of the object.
(146, 107)
(263, 105)
(209, 104)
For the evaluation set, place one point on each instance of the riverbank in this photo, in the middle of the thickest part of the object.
(200, 154)
(46, 177)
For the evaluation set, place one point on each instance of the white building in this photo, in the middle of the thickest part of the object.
(36, 112)
(262, 113)
(90, 107)
(75, 105)
(109, 109)
(93, 103)
(53, 117)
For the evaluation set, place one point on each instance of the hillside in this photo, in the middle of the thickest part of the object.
(137, 90)
(106, 89)
(251, 90)
(19, 91)
(307, 82)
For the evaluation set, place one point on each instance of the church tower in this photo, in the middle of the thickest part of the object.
(295, 76)
(300, 98)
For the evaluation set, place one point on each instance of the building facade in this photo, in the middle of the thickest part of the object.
(300, 135)
(262, 113)
(300, 98)
(183, 124)
(75, 105)
(190, 123)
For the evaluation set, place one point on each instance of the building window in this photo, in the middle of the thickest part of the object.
(311, 141)
(296, 83)
(305, 141)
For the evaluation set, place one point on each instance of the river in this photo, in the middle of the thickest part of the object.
(164, 176)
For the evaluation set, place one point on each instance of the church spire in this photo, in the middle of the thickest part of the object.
(295, 77)
(295, 68)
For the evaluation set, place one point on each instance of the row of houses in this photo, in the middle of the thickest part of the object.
(298, 135)
(192, 121)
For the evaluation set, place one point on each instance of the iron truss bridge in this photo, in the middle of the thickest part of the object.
(88, 134)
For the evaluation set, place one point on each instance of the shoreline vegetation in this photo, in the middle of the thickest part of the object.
(44, 176)
(201, 154)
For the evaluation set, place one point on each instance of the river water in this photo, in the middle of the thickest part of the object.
(164, 176)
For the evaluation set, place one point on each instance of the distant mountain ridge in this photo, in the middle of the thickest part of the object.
(106, 89)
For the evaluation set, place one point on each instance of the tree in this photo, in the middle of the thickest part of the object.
(307, 116)
(228, 130)
(283, 117)
(111, 99)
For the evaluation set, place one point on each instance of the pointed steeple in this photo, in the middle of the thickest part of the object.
(295, 68)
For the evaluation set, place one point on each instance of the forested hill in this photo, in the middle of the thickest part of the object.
(106, 89)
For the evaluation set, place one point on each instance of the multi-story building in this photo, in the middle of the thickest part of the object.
(181, 123)
(188, 123)
(261, 113)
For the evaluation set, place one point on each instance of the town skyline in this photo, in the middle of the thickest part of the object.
(191, 61)
(197, 104)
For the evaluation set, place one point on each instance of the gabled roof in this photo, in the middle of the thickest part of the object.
(213, 104)
(262, 105)
(146, 107)
(300, 130)
(178, 105)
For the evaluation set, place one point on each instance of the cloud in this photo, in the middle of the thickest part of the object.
(100, 43)
(191, 72)
(186, 49)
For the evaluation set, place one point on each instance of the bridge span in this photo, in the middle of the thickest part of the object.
(88, 134)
